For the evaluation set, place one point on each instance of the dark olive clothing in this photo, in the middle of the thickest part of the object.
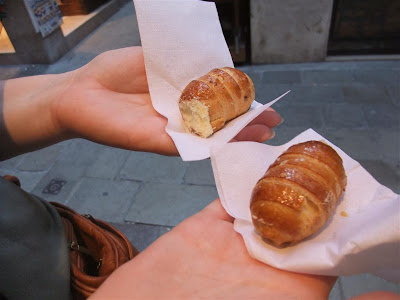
(34, 261)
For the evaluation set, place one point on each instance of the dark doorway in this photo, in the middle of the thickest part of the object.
(365, 27)
(78, 7)
(234, 16)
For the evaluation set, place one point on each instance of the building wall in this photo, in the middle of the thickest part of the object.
(289, 31)
(31, 48)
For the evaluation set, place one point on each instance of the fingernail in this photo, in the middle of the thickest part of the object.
(281, 121)
(272, 134)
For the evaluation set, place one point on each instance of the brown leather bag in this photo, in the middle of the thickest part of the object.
(96, 250)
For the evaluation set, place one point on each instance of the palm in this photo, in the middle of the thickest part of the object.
(110, 104)
(204, 257)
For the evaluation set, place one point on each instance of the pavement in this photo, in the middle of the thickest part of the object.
(354, 104)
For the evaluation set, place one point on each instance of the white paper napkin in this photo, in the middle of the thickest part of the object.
(366, 241)
(183, 40)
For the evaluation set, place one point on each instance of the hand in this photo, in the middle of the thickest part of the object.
(204, 258)
(111, 105)
(106, 101)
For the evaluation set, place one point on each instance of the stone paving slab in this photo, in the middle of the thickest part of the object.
(289, 77)
(389, 142)
(337, 292)
(59, 183)
(320, 94)
(300, 94)
(79, 153)
(378, 76)
(67, 170)
(382, 116)
(29, 180)
(366, 144)
(366, 94)
(359, 284)
(200, 172)
(11, 163)
(356, 93)
(108, 163)
(344, 116)
(41, 160)
(104, 199)
(267, 93)
(169, 204)
(327, 76)
(304, 116)
(31, 167)
(355, 66)
(385, 174)
(394, 92)
(152, 167)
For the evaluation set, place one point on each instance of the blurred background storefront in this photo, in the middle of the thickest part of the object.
(78, 7)
(273, 31)
(257, 31)
(42, 31)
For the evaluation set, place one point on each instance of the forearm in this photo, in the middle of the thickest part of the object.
(27, 119)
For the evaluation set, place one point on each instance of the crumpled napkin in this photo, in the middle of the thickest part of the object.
(367, 240)
(183, 40)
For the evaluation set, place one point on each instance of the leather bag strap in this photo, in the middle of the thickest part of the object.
(96, 249)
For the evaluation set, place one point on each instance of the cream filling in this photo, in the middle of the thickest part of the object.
(196, 117)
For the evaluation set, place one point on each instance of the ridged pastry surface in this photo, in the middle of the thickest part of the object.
(210, 101)
(298, 193)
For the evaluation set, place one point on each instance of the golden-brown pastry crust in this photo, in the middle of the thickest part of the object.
(210, 101)
(298, 193)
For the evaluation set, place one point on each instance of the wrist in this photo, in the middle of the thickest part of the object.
(28, 119)
(61, 91)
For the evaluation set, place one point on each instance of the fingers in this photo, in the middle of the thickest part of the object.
(255, 133)
(216, 210)
(260, 129)
(268, 117)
